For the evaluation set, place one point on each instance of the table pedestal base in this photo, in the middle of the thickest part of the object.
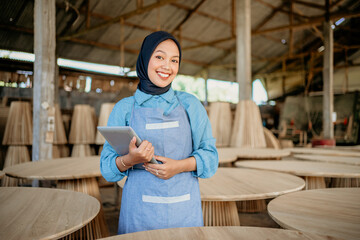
(220, 213)
(345, 182)
(252, 206)
(314, 183)
(97, 228)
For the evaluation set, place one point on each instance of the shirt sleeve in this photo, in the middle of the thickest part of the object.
(204, 149)
(119, 116)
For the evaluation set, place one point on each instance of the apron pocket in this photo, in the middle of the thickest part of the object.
(157, 199)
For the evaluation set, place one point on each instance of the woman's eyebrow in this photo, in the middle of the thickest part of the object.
(164, 52)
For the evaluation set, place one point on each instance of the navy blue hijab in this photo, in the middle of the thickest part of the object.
(147, 48)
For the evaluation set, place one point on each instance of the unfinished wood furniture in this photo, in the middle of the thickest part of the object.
(221, 122)
(2, 174)
(325, 152)
(248, 129)
(227, 156)
(226, 233)
(77, 174)
(271, 140)
(220, 192)
(43, 213)
(330, 159)
(105, 111)
(355, 148)
(17, 135)
(313, 172)
(59, 145)
(333, 212)
(82, 130)
(256, 153)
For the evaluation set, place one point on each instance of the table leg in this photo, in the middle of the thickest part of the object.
(220, 213)
(252, 206)
(314, 183)
(345, 182)
(97, 228)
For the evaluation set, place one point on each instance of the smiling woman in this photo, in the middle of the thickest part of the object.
(176, 131)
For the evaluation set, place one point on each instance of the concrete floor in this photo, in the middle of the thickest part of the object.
(108, 193)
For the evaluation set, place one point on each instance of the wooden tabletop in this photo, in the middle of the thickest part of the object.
(345, 148)
(227, 155)
(236, 184)
(331, 159)
(304, 168)
(2, 174)
(260, 153)
(224, 233)
(57, 169)
(334, 212)
(43, 213)
(325, 152)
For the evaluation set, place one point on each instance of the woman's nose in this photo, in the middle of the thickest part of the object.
(166, 64)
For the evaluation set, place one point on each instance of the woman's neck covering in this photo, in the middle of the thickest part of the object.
(147, 48)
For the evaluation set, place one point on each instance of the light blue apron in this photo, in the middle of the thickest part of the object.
(149, 202)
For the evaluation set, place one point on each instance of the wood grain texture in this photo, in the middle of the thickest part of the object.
(205, 233)
(59, 133)
(232, 184)
(330, 159)
(57, 169)
(334, 212)
(42, 213)
(271, 140)
(304, 168)
(15, 155)
(82, 130)
(256, 153)
(227, 155)
(248, 129)
(19, 127)
(325, 152)
(2, 174)
(82, 150)
(105, 111)
(221, 122)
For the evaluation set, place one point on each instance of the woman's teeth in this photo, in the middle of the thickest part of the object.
(164, 75)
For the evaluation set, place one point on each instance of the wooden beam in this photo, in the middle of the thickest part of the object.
(269, 17)
(117, 19)
(310, 4)
(44, 76)
(178, 5)
(208, 43)
(233, 18)
(313, 22)
(188, 15)
(88, 14)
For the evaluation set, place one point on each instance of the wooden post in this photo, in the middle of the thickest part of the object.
(328, 96)
(243, 48)
(44, 74)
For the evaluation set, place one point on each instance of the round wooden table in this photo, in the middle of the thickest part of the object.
(325, 152)
(77, 174)
(313, 172)
(227, 156)
(220, 192)
(334, 212)
(43, 213)
(330, 159)
(255, 153)
(225, 233)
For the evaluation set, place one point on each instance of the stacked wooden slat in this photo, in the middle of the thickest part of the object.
(18, 134)
(4, 113)
(105, 111)
(271, 140)
(59, 145)
(248, 129)
(221, 122)
(82, 130)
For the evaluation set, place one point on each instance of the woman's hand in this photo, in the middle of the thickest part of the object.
(170, 167)
(141, 154)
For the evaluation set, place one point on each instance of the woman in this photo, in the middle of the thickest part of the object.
(176, 131)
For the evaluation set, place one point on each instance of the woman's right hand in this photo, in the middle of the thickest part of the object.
(141, 154)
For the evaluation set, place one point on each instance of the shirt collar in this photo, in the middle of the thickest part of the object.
(141, 97)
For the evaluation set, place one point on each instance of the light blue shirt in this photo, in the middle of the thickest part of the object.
(204, 149)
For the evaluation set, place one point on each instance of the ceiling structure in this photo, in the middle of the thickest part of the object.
(285, 45)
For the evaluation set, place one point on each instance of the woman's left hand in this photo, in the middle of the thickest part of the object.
(168, 169)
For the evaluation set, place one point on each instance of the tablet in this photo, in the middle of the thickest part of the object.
(119, 138)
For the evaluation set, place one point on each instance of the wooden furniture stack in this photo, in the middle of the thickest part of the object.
(59, 145)
(221, 122)
(105, 111)
(248, 130)
(18, 135)
(82, 130)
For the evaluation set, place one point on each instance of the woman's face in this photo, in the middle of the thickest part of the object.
(164, 63)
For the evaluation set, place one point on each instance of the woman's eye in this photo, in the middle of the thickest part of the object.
(159, 57)
(175, 61)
